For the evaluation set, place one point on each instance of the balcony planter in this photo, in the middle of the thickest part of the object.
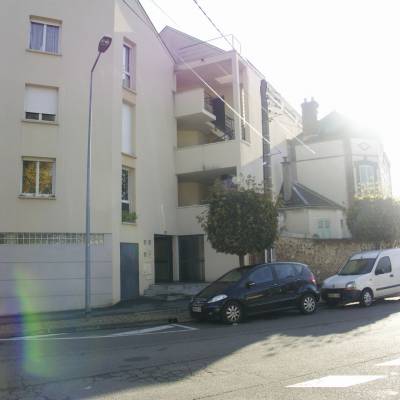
(129, 217)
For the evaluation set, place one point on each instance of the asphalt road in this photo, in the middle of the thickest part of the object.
(333, 354)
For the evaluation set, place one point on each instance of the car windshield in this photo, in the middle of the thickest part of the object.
(232, 276)
(357, 267)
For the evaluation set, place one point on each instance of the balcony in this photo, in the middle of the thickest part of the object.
(211, 156)
(194, 188)
(193, 109)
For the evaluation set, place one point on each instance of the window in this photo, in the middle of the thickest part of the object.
(366, 174)
(127, 129)
(324, 228)
(284, 271)
(44, 36)
(262, 275)
(127, 209)
(38, 177)
(41, 103)
(127, 66)
(384, 265)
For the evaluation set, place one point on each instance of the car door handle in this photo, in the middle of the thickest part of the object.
(391, 275)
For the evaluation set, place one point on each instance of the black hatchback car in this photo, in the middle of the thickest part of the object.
(257, 289)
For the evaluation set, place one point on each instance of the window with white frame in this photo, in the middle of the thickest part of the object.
(127, 183)
(38, 176)
(44, 36)
(366, 174)
(324, 228)
(127, 129)
(41, 103)
(127, 65)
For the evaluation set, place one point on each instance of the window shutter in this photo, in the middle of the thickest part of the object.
(127, 125)
(41, 100)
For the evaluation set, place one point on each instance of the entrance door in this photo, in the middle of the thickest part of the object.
(191, 258)
(129, 262)
(163, 258)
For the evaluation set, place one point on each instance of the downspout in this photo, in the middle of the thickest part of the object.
(267, 175)
(266, 151)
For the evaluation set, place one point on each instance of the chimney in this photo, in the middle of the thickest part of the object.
(287, 179)
(310, 117)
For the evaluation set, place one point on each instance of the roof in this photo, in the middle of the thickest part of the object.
(335, 125)
(303, 197)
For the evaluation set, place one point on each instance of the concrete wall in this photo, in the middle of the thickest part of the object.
(52, 277)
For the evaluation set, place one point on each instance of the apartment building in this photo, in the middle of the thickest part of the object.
(168, 116)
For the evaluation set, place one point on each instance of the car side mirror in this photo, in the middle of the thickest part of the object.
(250, 284)
(379, 271)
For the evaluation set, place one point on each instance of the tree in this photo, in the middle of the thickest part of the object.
(374, 220)
(240, 219)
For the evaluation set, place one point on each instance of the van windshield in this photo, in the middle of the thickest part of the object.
(358, 267)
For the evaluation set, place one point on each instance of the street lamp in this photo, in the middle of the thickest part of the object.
(104, 44)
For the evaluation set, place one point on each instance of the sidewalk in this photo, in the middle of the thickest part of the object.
(138, 311)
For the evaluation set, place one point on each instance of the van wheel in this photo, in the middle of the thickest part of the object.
(367, 298)
(308, 304)
(232, 313)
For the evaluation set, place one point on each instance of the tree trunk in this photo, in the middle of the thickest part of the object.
(241, 260)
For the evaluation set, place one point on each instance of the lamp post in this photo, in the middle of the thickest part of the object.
(104, 44)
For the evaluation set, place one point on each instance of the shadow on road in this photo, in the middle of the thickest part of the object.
(155, 360)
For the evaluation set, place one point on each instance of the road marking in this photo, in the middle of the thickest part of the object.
(337, 381)
(392, 363)
(172, 328)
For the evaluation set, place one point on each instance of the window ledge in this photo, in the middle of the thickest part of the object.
(47, 53)
(128, 223)
(35, 121)
(43, 197)
(130, 90)
(129, 155)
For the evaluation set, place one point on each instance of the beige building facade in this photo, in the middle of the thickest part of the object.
(168, 119)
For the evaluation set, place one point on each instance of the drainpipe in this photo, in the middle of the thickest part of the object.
(266, 151)
(267, 176)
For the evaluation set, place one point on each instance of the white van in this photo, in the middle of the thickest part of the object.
(365, 276)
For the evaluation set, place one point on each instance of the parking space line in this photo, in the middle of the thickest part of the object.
(337, 381)
(162, 329)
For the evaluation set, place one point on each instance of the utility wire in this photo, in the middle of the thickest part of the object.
(196, 74)
(230, 44)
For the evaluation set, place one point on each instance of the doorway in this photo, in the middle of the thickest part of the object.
(163, 259)
(191, 258)
(129, 264)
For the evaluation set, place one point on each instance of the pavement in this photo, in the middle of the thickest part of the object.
(125, 314)
(346, 353)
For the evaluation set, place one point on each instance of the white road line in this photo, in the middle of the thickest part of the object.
(144, 331)
(173, 328)
(337, 381)
(392, 363)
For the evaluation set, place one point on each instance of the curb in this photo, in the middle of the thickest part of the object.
(97, 323)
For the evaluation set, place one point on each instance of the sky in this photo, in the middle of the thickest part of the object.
(344, 53)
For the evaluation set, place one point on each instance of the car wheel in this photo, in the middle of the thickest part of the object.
(232, 313)
(308, 304)
(367, 298)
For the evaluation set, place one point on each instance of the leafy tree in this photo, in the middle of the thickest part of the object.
(374, 220)
(240, 219)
